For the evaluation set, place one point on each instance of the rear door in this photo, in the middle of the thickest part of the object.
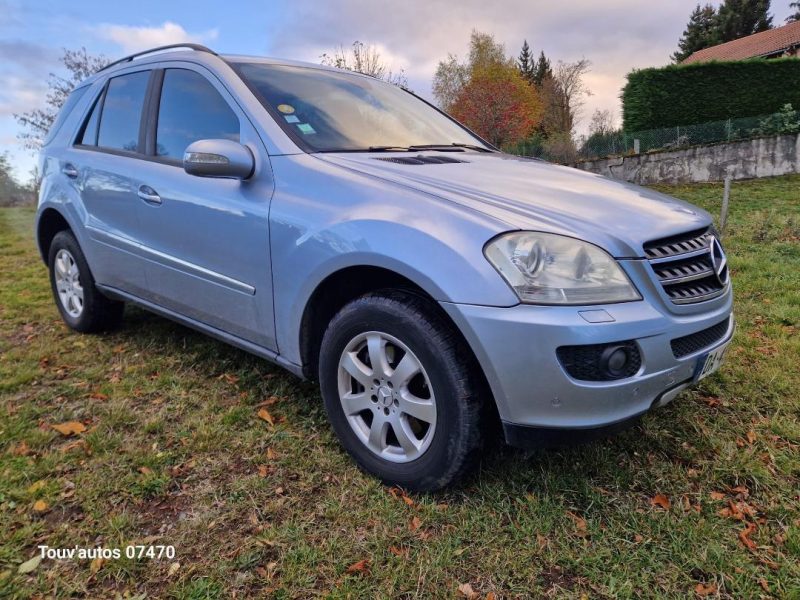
(104, 161)
(206, 240)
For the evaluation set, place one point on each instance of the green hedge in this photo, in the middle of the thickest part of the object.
(701, 92)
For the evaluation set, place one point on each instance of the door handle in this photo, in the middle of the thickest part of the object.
(70, 171)
(149, 195)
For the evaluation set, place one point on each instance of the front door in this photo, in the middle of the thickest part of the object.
(206, 240)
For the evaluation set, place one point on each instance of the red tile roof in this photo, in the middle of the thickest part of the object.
(765, 43)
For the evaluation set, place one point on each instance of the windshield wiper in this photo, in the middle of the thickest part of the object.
(390, 148)
(452, 147)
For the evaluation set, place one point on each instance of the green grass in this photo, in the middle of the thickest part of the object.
(175, 454)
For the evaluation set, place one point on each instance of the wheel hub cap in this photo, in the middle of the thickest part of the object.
(68, 283)
(387, 396)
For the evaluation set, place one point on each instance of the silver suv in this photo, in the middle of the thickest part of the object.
(349, 231)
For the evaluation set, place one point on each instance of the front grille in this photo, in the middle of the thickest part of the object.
(694, 342)
(684, 268)
(583, 362)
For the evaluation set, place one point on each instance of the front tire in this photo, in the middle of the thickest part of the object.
(80, 303)
(401, 392)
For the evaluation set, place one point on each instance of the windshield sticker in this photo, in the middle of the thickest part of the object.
(286, 109)
(305, 128)
(291, 118)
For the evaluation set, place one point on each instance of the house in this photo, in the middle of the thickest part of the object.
(773, 43)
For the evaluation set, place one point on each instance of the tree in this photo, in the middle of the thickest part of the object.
(740, 18)
(542, 70)
(701, 32)
(796, 16)
(498, 104)
(563, 94)
(11, 192)
(366, 59)
(36, 123)
(452, 75)
(602, 123)
(526, 62)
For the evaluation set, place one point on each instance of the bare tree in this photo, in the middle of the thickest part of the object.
(36, 123)
(366, 59)
(602, 123)
(450, 78)
(564, 95)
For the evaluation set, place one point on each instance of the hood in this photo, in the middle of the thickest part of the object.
(535, 195)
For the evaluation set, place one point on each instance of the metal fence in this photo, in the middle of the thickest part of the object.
(670, 138)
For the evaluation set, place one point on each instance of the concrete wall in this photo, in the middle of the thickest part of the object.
(748, 159)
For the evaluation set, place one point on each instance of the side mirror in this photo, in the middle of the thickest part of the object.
(218, 158)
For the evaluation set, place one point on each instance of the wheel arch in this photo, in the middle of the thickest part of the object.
(49, 223)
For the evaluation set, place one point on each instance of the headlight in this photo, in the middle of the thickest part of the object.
(544, 268)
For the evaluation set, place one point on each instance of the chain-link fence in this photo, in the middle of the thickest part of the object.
(670, 138)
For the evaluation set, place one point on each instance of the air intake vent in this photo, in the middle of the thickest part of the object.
(421, 160)
(694, 342)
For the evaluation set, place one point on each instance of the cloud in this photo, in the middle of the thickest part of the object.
(134, 39)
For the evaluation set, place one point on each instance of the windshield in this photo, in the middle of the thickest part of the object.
(329, 111)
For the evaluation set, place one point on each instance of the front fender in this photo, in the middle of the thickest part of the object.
(339, 219)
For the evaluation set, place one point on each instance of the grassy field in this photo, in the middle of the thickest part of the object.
(700, 499)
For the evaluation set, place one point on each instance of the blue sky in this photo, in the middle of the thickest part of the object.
(616, 35)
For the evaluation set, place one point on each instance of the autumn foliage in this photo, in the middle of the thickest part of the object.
(499, 105)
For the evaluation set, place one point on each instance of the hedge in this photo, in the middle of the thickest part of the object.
(702, 92)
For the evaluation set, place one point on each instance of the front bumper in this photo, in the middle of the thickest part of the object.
(516, 348)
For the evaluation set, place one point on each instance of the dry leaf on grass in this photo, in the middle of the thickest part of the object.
(466, 590)
(358, 567)
(264, 415)
(35, 487)
(415, 523)
(581, 529)
(173, 568)
(717, 495)
(271, 454)
(21, 449)
(705, 589)
(30, 565)
(145, 470)
(661, 501)
(744, 536)
(96, 564)
(751, 436)
(70, 428)
(398, 551)
(40, 506)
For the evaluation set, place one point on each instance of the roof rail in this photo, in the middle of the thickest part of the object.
(195, 47)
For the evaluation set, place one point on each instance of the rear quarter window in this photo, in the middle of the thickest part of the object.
(66, 109)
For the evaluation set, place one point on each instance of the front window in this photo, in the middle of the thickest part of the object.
(329, 111)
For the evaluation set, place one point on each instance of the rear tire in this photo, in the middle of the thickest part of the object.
(82, 306)
(415, 421)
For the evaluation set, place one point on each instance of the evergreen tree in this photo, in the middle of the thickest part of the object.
(740, 18)
(526, 62)
(701, 32)
(796, 15)
(542, 69)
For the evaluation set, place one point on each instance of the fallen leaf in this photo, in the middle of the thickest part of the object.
(717, 496)
(764, 585)
(751, 436)
(279, 491)
(35, 487)
(98, 396)
(489, 596)
(264, 414)
(30, 565)
(358, 567)
(744, 536)
(415, 523)
(638, 538)
(705, 589)
(145, 470)
(70, 428)
(173, 568)
(270, 401)
(96, 564)
(580, 525)
(398, 551)
(271, 454)
(264, 470)
(661, 501)
(21, 449)
(40, 506)
(466, 590)
(407, 500)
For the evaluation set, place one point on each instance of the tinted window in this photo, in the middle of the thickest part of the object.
(122, 111)
(331, 111)
(89, 135)
(191, 109)
(69, 104)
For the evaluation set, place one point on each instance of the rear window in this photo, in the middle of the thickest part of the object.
(122, 112)
(66, 109)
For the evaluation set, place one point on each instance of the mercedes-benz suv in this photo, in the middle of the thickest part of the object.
(349, 231)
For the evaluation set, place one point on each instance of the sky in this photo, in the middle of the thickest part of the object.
(413, 35)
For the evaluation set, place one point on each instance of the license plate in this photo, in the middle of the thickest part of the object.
(710, 363)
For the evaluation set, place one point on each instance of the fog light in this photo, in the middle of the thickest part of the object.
(614, 360)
